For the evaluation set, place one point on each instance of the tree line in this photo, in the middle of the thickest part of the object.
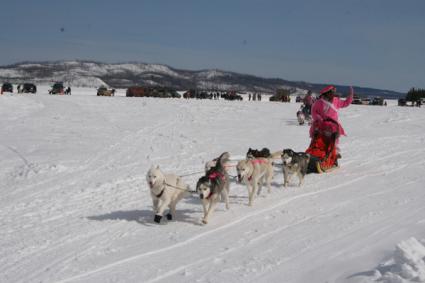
(415, 94)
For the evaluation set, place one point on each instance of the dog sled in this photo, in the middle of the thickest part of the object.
(323, 150)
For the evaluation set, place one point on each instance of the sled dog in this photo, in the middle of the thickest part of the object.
(294, 163)
(255, 172)
(265, 153)
(214, 184)
(303, 115)
(300, 117)
(210, 164)
(254, 153)
(166, 191)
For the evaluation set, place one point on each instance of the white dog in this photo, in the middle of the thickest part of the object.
(166, 191)
(255, 172)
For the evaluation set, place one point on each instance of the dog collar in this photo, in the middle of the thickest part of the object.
(160, 194)
(208, 197)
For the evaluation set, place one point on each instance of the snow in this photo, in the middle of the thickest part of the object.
(75, 206)
(406, 265)
(85, 74)
(210, 74)
(7, 73)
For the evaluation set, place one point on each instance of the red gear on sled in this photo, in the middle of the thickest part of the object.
(323, 150)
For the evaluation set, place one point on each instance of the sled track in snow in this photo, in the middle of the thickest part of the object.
(213, 231)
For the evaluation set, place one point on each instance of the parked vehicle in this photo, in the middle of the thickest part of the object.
(298, 98)
(356, 100)
(231, 95)
(57, 88)
(103, 91)
(189, 94)
(29, 88)
(366, 101)
(281, 95)
(163, 92)
(6, 87)
(377, 101)
(402, 102)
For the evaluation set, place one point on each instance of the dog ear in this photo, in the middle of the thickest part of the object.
(157, 166)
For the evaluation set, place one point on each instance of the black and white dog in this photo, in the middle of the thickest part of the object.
(254, 153)
(213, 185)
(264, 153)
(294, 163)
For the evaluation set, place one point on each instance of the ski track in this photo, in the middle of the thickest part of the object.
(251, 215)
(216, 230)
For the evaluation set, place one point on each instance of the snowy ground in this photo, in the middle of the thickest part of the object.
(75, 206)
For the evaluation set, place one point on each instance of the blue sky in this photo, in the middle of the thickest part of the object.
(371, 43)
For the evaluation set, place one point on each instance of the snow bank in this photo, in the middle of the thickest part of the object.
(406, 265)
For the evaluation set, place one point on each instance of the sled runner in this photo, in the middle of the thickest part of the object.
(322, 149)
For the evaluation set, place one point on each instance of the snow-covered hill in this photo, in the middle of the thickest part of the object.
(123, 75)
(75, 206)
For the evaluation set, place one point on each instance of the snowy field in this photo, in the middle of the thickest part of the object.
(75, 206)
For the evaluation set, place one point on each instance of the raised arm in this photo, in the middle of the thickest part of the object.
(344, 103)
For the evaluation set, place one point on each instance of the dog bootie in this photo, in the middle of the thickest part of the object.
(157, 218)
(169, 216)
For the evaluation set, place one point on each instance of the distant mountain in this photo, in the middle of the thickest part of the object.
(123, 75)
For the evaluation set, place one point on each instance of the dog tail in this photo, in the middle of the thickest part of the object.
(276, 155)
(224, 157)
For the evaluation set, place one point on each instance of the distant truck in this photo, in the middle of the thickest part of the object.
(356, 100)
(6, 87)
(402, 102)
(57, 88)
(377, 101)
(103, 91)
(29, 88)
(141, 91)
(282, 95)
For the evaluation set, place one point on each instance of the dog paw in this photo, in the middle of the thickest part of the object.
(157, 218)
(204, 221)
(169, 216)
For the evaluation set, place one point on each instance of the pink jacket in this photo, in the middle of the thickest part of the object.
(324, 110)
(308, 100)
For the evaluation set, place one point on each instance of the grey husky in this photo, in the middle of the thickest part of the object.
(213, 185)
(294, 163)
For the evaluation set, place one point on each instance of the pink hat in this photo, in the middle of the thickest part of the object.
(328, 89)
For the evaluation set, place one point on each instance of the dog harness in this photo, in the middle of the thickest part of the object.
(256, 161)
(215, 175)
